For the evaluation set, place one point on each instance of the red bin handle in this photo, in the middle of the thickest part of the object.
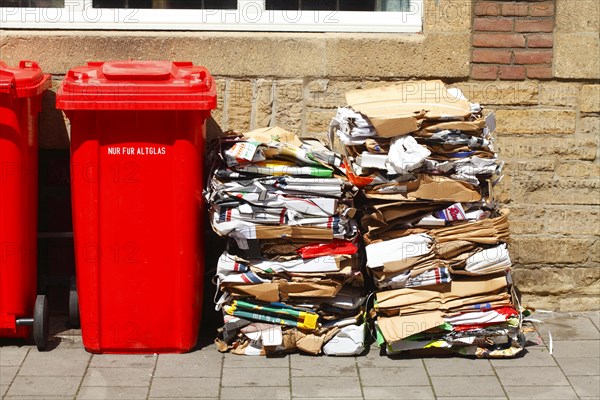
(202, 78)
(78, 75)
(28, 64)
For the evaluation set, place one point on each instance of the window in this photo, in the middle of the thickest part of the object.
(220, 15)
(32, 3)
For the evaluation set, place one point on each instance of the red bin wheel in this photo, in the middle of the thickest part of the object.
(41, 322)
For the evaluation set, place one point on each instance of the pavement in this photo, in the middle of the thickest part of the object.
(67, 371)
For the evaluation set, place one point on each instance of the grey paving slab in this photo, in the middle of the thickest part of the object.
(322, 366)
(113, 393)
(532, 336)
(471, 398)
(596, 320)
(180, 388)
(45, 386)
(70, 339)
(467, 386)
(594, 316)
(528, 376)
(374, 360)
(579, 366)
(576, 348)
(209, 351)
(457, 366)
(256, 377)
(197, 364)
(564, 327)
(123, 361)
(327, 398)
(12, 355)
(541, 347)
(58, 362)
(67, 333)
(70, 344)
(541, 392)
(325, 388)
(7, 374)
(534, 344)
(183, 398)
(117, 377)
(44, 397)
(394, 376)
(62, 334)
(539, 357)
(255, 393)
(399, 393)
(3, 390)
(232, 360)
(586, 386)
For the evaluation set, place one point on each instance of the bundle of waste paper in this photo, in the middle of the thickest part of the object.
(435, 238)
(290, 277)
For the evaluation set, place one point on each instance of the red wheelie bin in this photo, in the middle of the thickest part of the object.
(21, 311)
(137, 144)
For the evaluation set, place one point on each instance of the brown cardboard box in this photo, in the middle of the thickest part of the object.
(435, 188)
(399, 109)
(446, 296)
(402, 326)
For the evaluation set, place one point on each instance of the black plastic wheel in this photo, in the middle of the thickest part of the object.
(73, 305)
(41, 322)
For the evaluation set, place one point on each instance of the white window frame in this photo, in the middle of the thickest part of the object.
(250, 16)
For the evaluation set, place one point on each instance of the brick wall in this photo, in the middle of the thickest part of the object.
(513, 40)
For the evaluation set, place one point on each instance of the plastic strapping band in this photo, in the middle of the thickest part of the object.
(367, 300)
(521, 320)
(550, 344)
(222, 299)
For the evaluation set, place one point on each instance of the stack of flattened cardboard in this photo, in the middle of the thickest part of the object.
(435, 238)
(290, 276)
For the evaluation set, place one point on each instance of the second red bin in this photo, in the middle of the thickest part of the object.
(21, 90)
(137, 145)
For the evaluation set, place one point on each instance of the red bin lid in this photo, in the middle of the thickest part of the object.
(26, 80)
(137, 85)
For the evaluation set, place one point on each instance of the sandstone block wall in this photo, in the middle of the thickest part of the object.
(535, 63)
